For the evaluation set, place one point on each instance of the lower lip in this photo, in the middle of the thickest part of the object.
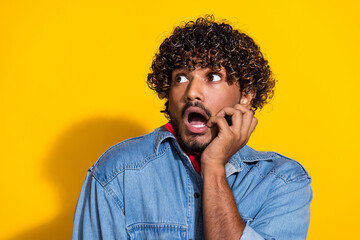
(193, 129)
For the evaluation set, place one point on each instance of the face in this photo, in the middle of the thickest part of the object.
(194, 97)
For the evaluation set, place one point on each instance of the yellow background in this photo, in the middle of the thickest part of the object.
(72, 83)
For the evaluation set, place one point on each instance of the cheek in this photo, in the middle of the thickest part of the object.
(234, 92)
(175, 100)
(227, 98)
(171, 101)
(173, 106)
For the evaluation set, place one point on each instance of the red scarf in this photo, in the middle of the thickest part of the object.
(192, 155)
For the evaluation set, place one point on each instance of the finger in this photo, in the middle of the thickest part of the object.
(220, 122)
(247, 118)
(236, 117)
(252, 127)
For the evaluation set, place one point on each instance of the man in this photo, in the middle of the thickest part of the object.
(195, 178)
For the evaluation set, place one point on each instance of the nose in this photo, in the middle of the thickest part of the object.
(195, 90)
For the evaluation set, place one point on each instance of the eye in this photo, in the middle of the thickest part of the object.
(214, 77)
(181, 79)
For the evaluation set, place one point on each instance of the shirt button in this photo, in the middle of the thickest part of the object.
(196, 195)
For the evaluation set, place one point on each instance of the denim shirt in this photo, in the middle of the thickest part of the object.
(146, 188)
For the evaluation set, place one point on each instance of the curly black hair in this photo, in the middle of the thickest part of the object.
(206, 43)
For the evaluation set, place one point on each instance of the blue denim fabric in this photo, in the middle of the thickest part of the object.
(144, 188)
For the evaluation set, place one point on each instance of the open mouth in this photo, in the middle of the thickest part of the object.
(195, 119)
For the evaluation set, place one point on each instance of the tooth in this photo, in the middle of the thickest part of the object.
(199, 126)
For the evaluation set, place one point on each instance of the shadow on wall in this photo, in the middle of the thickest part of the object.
(67, 164)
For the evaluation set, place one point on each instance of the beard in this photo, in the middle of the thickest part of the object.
(192, 144)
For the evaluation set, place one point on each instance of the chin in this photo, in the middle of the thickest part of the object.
(191, 141)
(194, 144)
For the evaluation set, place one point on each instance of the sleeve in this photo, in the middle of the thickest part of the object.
(250, 234)
(284, 215)
(98, 214)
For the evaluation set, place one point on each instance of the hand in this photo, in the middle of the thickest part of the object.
(229, 139)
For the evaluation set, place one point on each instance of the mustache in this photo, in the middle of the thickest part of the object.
(196, 104)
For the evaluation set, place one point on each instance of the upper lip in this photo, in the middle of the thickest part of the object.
(195, 110)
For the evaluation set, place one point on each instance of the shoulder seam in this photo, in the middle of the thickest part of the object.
(299, 177)
(110, 192)
(112, 147)
(302, 173)
(143, 163)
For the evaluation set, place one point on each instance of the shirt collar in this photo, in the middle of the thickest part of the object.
(246, 155)
(236, 162)
(160, 134)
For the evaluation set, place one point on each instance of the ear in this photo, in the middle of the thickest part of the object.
(246, 98)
